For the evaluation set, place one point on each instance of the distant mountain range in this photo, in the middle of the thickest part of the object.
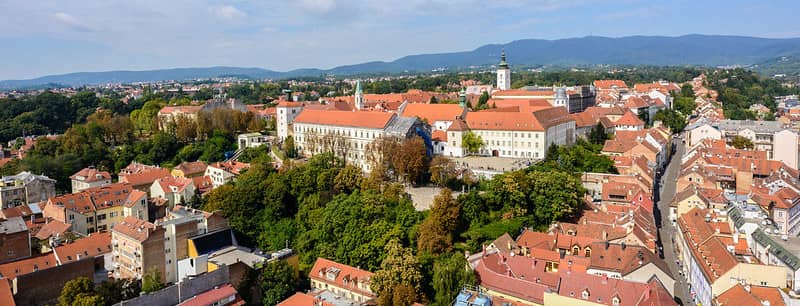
(703, 50)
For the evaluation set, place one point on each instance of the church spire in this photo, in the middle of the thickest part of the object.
(503, 64)
(359, 96)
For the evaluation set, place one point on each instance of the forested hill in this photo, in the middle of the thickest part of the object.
(704, 50)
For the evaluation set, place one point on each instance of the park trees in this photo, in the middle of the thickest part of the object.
(450, 274)
(437, 232)
(399, 278)
(411, 160)
(278, 280)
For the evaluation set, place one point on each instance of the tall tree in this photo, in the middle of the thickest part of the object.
(411, 159)
(438, 230)
(74, 289)
(399, 268)
(289, 148)
(450, 274)
(598, 134)
(278, 281)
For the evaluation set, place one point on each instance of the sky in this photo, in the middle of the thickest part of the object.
(43, 37)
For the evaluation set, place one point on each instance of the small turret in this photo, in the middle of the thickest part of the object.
(359, 96)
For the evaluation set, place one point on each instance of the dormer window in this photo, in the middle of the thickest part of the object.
(585, 294)
(615, 301)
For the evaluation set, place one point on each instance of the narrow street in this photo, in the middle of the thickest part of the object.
(666, 229)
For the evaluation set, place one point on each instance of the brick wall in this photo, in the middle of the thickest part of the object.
(44, 286)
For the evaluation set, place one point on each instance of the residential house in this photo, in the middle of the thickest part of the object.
(38, 280)
(190, 169)
(15, 239)
(25, 188)
(342, 280)
(222, 173)
(716, 258)
(97, 209)
(143, 179)
(138, 249)
(175, 190)
(88, 178)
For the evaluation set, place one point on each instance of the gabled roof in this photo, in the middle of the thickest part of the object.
(629, 118)
(624, 259)
(344, 276)
(52, 228)
(603, 290)
(739, 295)
(90, 175)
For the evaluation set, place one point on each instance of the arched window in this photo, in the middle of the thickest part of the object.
(588, 252)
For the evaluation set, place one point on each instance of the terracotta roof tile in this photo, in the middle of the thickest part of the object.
(344, 276)
(364, 119)
(433, 112)
(90, 175)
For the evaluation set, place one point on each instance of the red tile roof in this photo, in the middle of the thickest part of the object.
(433, 112)
(180, 183)
(186, 109)
(538, 120)
(52, 228)
(608, 84)
(213, 296)
(345, 276)
(518, 276)
(145, 177)
(363, 119)
(190, 168)
(302, 299)
(135, 228)
(90, 175)
(231, 166)
(603, 290)
(629, 118)
(94, 245)
(738, 295)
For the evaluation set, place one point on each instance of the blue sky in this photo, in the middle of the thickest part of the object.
(41, 37)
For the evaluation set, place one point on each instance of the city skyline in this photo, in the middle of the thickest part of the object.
(52, 37)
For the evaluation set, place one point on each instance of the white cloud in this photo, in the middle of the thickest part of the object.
(229, 12)
(70, 21)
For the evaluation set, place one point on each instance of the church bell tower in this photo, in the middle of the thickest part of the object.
(503, 74)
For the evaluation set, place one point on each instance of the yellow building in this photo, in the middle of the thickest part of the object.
(97, 209)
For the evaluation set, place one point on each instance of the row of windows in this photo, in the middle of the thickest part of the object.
(337, 131)
(506, 134)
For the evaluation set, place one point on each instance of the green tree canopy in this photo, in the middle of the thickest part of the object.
(471, 142)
